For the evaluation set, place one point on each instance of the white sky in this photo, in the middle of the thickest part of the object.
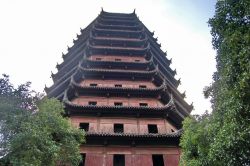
(33, 35)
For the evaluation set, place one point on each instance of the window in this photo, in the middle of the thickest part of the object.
(118, 103)
(152, 128)
(157, 160)
(92, 84)
(118, 128)
(118, 85)
(137, 60)
(92, 102)
(118, 60)
(84, 126)
(98, 59)
(143, 104)
(82, 163)
(119, 160)
(142, 86)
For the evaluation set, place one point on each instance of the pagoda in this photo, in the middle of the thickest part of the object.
(116, 84)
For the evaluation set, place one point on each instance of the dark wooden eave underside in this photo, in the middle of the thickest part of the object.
(106, 139)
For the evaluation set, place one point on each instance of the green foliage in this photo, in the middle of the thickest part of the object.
(36, 134)
(194, 142)
(16, 105)
(227, 130)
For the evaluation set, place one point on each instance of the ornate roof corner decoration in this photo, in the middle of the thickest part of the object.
(116, 73)
(192, 106)
(175, 72)
(134, 11)
(46, 88)
(52, 75)
(184, 94)
(171, 103)
(63, 55)
(156, 39)
(179, 81)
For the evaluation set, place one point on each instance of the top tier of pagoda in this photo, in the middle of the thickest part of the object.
(118, 47)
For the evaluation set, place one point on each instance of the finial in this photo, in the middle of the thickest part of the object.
(134, 11)
(63, 55)
(57, 65)
(192, 105)
(68, 48)
(179, 81)
(81, 30)
(160, 45)
(153, 33)
(175, 72)
(46, 88)
(101, 9)
(170, 60)
(166, 53)
(184, 94)
(52, 74)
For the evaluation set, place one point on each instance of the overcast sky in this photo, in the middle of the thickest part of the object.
(33, 35)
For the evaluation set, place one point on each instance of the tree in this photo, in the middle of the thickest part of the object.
(227, 129)
(34, 131)
(16, 104)
(195, 141)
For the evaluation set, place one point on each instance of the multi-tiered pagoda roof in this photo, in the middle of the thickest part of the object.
(103, 51)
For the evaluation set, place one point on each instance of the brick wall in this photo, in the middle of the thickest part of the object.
(131, 125)
(134, 156)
